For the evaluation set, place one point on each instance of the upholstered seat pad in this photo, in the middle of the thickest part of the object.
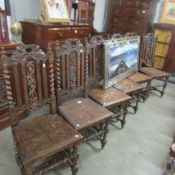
(128, 86)
(154, 73)
(44, 136)
(138, 77)
(109, 97)
(82, 113)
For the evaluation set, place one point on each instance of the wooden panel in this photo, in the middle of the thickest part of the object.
(130, 16)
(59, 34)
(44, 33)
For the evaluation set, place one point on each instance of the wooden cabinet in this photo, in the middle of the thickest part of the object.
(130, 16)
(165, 47)
(44, 33)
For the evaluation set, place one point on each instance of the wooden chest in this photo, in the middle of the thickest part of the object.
(44, 33)
(130, 16)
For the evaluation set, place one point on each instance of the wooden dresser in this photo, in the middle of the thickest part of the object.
(44, 33)
(130, 16)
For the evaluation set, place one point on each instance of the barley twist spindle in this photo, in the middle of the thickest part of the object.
(58, 67)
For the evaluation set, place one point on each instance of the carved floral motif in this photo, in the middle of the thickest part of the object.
(31, 85)
(73, 70)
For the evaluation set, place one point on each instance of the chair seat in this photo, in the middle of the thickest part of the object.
(127, 86)
(138, 77)
(154, 73)
(82, 113)
(44, 136)
(109, 97)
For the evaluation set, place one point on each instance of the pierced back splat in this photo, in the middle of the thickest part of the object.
(71, 70)
(147, 51)
(96, 58)
(29, 83)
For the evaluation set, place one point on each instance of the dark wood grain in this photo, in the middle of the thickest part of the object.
(130, 16)
(40, 140)
(44, 33)
(109, 97)
(82, 113)
(138, 77)
(127, 86)
(4, 118)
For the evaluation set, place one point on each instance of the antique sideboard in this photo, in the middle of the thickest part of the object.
(44, 33)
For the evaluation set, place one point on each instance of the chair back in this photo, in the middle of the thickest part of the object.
(71, 70)
(116, 36)
(96, 58)
(147, 51)
(29, 79)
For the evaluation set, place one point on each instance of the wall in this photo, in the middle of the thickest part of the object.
(24, 9)
(100, 14)
(31, 8)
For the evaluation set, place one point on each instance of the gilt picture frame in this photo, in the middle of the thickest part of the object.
(55, 11)
(168, 13)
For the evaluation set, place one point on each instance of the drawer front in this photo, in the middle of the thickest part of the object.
(59, 34)
(80, 32)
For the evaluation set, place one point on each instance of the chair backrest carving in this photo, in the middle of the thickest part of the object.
(29, 79)
(71, 69)
(96, 57)
(147, 51)
(130, 34)
(116, 35)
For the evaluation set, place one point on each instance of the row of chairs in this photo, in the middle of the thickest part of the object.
(79, 111)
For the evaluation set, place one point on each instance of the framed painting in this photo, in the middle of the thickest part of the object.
(168, 13)
(55, 10)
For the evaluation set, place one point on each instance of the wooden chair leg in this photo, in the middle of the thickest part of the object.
(105, 128)
(164, 86)
(27, 170)
(74, 168)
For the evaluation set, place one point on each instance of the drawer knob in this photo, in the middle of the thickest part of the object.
(60, 34)
(76, 31)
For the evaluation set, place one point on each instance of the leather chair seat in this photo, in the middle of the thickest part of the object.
(83, 113)
(36, 137)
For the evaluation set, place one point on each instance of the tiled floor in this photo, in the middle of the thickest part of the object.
(141, 148)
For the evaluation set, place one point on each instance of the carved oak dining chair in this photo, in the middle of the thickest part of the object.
(86, 116)
(129, 87)
(42, 142)
(140, 78)
(147, 56)
(110, 98)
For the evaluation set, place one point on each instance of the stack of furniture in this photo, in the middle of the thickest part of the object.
(86, 10)
(42, 143)
(130, 16)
